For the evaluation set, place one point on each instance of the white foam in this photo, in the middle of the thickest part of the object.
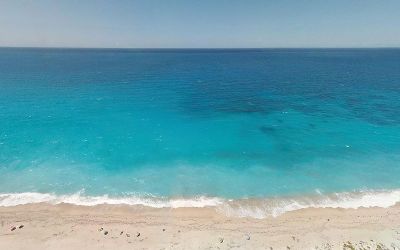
(275, 207)
(13, 199)
(255, 208)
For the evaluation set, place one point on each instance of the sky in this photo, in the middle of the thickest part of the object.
(199, 23)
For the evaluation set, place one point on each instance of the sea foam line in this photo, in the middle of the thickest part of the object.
(255, 208)
(14, 199)
(263, 208)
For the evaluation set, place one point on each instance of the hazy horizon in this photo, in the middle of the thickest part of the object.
(199, 24)
(197, 48)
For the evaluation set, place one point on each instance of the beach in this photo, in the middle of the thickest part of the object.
(64, 226)
(199, 125)
(199, 148)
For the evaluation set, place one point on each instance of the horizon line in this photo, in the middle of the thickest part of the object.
(192, 48)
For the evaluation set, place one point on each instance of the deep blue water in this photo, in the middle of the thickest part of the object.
(183, 123)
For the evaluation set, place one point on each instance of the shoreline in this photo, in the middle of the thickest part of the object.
(258, 208)
(66, 226)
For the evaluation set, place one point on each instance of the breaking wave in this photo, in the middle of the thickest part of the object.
(254, 208)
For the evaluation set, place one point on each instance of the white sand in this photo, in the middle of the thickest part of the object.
(77, 227)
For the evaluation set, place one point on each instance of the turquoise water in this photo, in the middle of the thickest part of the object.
(189, 123)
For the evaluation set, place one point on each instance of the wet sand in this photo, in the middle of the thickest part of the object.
(64, 226)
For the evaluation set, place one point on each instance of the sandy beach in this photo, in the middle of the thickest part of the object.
(43, 226)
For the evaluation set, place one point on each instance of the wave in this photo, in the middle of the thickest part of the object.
(254, 208)
(262, 208)
(13, 199)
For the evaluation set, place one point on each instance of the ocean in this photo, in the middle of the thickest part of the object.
(253, 132)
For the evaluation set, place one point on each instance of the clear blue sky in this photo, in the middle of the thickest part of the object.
(200, 23)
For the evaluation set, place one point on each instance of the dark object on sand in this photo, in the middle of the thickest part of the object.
(105, 232)
(121, 233)
(128, 235)
(101, 229)
(13, 228)
(163, 229)
(21, 226)
(221, 240)
(247, 237)
(137, 234)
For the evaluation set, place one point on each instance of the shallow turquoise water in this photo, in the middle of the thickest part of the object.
(184, 123)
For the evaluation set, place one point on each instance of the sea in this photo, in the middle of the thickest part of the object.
(251, 132)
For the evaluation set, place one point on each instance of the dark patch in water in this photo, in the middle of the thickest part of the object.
(267, 129)
(311, 125)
